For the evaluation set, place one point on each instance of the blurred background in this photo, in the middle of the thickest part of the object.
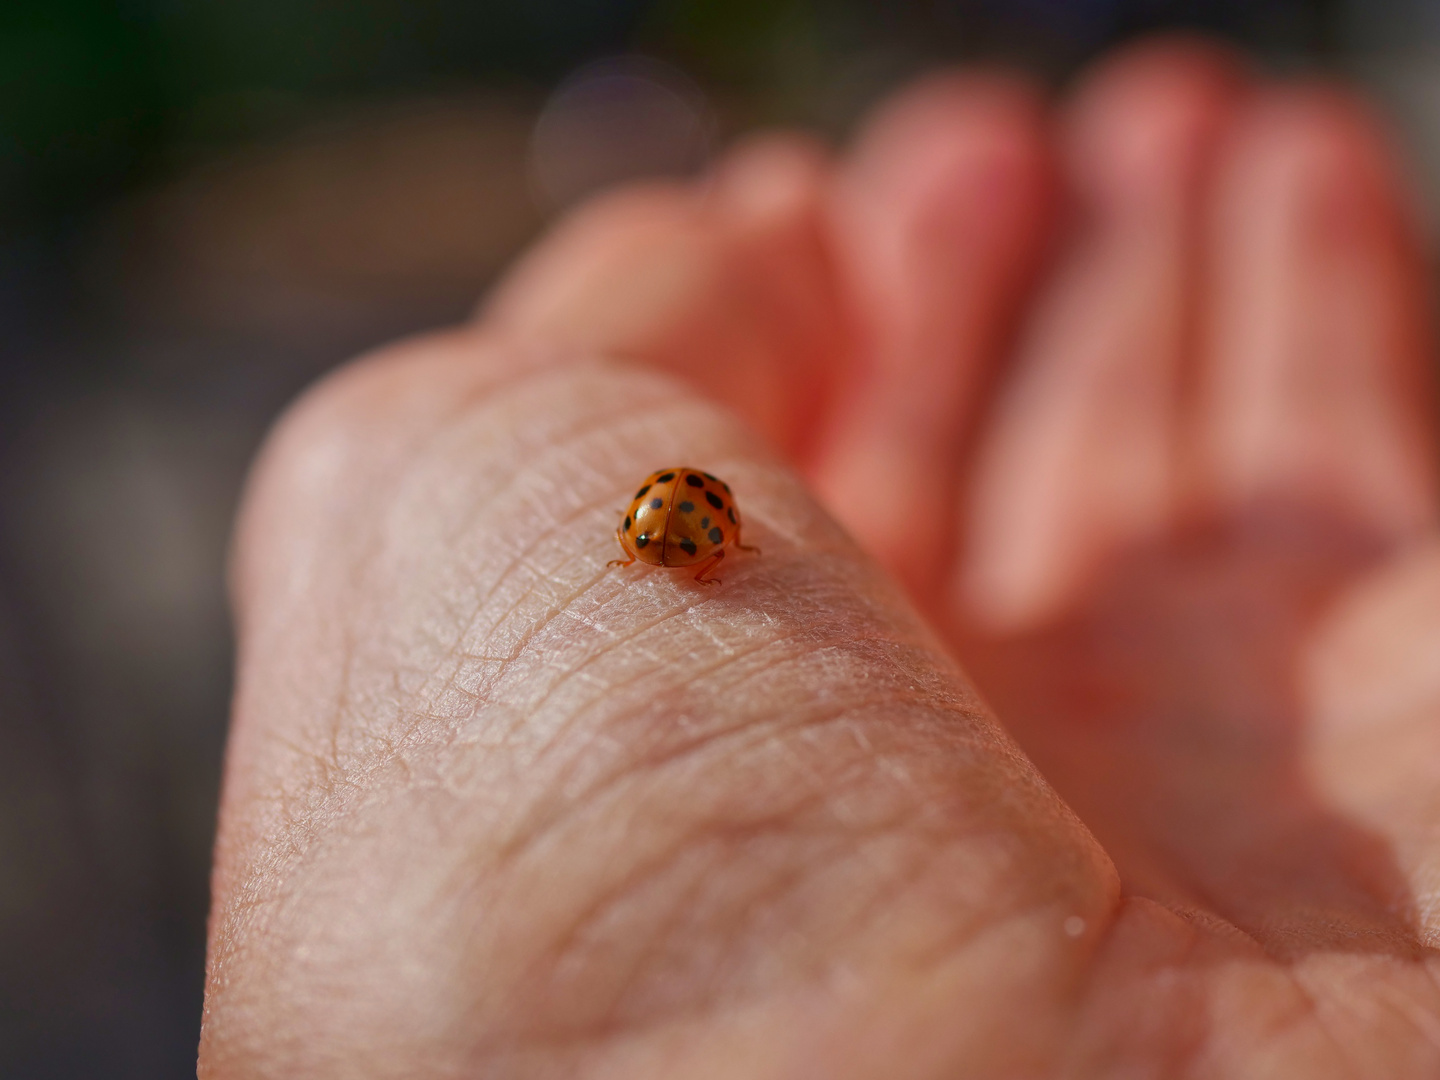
(205, 205)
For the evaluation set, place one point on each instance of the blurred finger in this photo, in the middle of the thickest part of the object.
(1316, 386)
(941, 218)
(1372, 691)
(1080, 459)
(724, 282)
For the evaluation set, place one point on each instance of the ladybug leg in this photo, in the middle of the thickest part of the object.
(621, 562)
(708, 566)
(744, 547)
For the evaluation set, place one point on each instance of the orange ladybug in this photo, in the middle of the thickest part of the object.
(681, 517)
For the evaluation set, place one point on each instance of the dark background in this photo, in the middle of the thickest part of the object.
(204, 205)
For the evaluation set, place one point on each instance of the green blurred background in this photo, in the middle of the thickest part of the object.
(203, 206)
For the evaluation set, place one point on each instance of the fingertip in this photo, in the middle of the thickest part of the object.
(1145, 122)
(974, 104)
(959, 152)
(567, 286)
(771, 178)
(1328, 154)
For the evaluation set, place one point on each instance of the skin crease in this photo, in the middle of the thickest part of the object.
(493, 809)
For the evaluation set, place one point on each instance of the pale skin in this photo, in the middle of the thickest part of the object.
(1124, 402)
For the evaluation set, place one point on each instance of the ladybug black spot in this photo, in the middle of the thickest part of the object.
(693, 480)
(731, 512)
(704, 523)
(688, 545)
(715, 500)
(726, 487)
(709, 477)
(687, 507)
(665, 479)
(642, 540)
(716, 535)
(655, 504)
(641, 493)
(627, 522)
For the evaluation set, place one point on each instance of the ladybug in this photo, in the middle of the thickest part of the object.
(681, 517)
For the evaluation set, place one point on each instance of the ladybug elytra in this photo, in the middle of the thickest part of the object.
(681, 517)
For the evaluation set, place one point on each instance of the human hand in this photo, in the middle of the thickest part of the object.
(492, 809)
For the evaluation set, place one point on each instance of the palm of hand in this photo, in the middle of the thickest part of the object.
(1173, 656)
(1189, 610)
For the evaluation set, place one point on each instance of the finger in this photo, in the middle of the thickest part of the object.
(941, 218)
(493, 808)
(1372, 691)
(1080, 458)
(1315, 387)
(724, 282)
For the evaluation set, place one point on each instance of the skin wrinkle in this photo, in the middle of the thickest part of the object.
(1413, 1018)
(1123, 909)
(893, 885)
(1275, 1027)
(356, 783)
(606, 1040)
(339, 774)
(1424, 1023)
(652, 395)
(265, 883)
(1210, 905)
(589, 805)
(623, 892)
(605, 651)
(727, 743)
(562, 608)
(332, 387)
(693, 674)
(568, 943)
(632, 638)
(504, 575)
(1313, 1014)
(808, 724)
(595, 656)
(660, 943)
(566, 448)
(486, 379)
(752, 723)
(715, 668)
(729, 662)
